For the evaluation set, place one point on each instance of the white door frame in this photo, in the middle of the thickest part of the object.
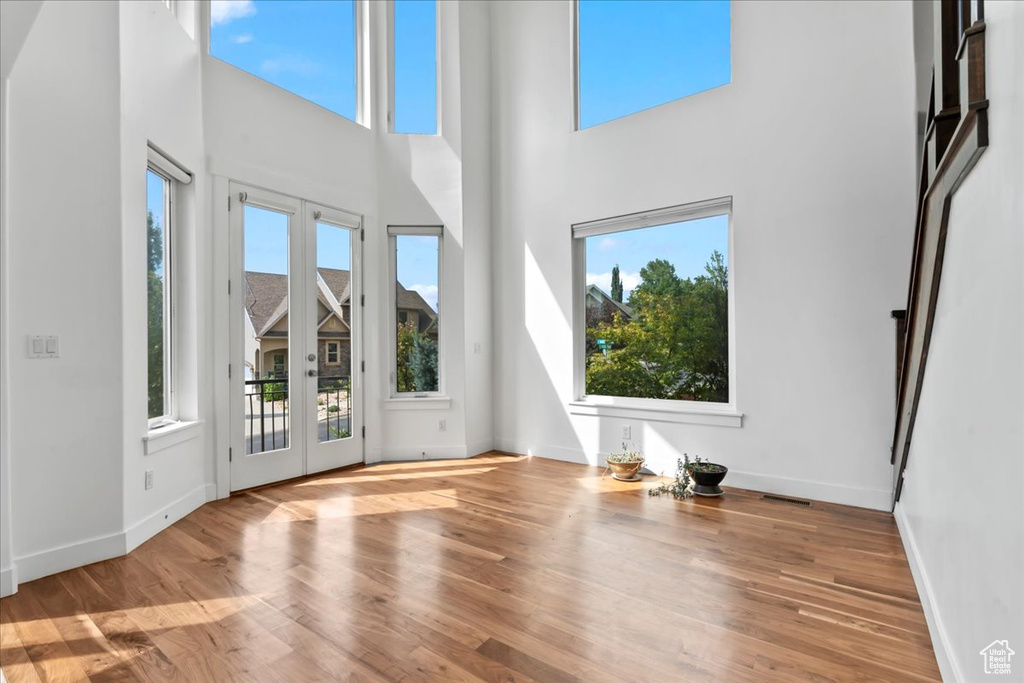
(303, 455)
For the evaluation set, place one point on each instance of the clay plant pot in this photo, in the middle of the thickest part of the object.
(707, 483)
(626, 471)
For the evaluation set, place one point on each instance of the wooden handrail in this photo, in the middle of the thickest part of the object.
(956, 138)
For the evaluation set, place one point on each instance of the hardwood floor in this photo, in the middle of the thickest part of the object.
(497, 568)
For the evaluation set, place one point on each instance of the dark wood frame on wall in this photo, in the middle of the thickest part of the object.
(956, 138)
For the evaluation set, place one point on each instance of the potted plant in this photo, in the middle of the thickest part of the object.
(625, 466)
(706, 476)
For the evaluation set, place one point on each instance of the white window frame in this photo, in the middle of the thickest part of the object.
(391, 70)
(362, 60)
(174, 175)
(394, 231)
(668, 410)
(337, 352)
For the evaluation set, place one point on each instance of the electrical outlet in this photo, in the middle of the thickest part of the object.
(627, 432)
(441, 425)
(477, 348)
(149, 479)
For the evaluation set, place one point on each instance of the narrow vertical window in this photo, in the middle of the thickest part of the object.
(416, 265)
(415, 67)
(158, 294)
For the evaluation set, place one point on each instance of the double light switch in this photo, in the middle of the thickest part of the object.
(42, 346)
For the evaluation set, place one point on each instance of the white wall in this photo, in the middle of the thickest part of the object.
(961, 511)
(161, 103)
(64, 213)
(814, 140)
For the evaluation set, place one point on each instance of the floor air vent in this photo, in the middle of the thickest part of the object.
(783, 499)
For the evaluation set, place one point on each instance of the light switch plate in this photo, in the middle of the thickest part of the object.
(43, 346)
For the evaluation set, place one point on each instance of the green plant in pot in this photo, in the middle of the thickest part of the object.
(706, 475)
(625, 466)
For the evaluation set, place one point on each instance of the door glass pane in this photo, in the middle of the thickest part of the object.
(266, 330)
(333, 332)
(416, 295)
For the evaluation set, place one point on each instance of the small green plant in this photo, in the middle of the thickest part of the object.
(320, 401)
(626, 456)
(338, 433)
(275, 391)
(703, 466)
(333, 408)
(680, 487)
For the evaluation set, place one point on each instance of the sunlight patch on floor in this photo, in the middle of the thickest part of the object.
(357, 506)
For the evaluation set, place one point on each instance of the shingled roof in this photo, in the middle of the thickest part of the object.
(265, 292)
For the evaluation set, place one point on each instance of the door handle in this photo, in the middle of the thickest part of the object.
(311, 357)
(311, 373)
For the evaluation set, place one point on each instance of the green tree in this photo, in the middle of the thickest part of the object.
(403, 372)
(424, 363)
(676, 346)
(155, 314)
(616, 284)
(416, 363)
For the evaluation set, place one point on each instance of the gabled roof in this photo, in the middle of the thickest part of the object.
(599, 293)
(266, 292)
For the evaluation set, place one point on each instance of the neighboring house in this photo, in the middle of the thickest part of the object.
(602, 308)
(266, 305)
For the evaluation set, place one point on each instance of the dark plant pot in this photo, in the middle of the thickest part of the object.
(707, 483)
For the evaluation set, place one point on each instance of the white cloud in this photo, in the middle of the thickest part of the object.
(604, 280)
(224, 11)
(291, 64)
(242, 39)
(607, 244)
(428, 292)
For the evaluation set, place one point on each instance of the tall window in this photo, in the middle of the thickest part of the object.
(305, 47)
(414, 39)
(636, 54)
(159, 320)
(416, 270)
(653, 307)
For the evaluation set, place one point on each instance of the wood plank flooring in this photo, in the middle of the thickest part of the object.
(496, 568)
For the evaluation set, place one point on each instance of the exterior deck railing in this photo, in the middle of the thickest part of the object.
(268, 417)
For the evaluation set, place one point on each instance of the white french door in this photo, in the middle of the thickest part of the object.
(296, 352)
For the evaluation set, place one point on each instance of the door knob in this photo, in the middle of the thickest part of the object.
(311, 373)
(311, 357)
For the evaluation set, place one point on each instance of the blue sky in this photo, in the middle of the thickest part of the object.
(637, 54)
(687, 246)
(308, 47)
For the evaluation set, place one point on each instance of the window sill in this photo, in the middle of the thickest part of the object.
(720, 417)
(418, 403)
(157, 440)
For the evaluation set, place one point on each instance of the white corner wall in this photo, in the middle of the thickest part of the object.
(161, 103)
(64, 241)
(961, 512)
(814, 140)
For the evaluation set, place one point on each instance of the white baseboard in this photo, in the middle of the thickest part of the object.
(872, 499)
(948, 666)
(481, 446)
(149, 527)
(8, 581)
(31, 567)
(55, 560)
(407, 453)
